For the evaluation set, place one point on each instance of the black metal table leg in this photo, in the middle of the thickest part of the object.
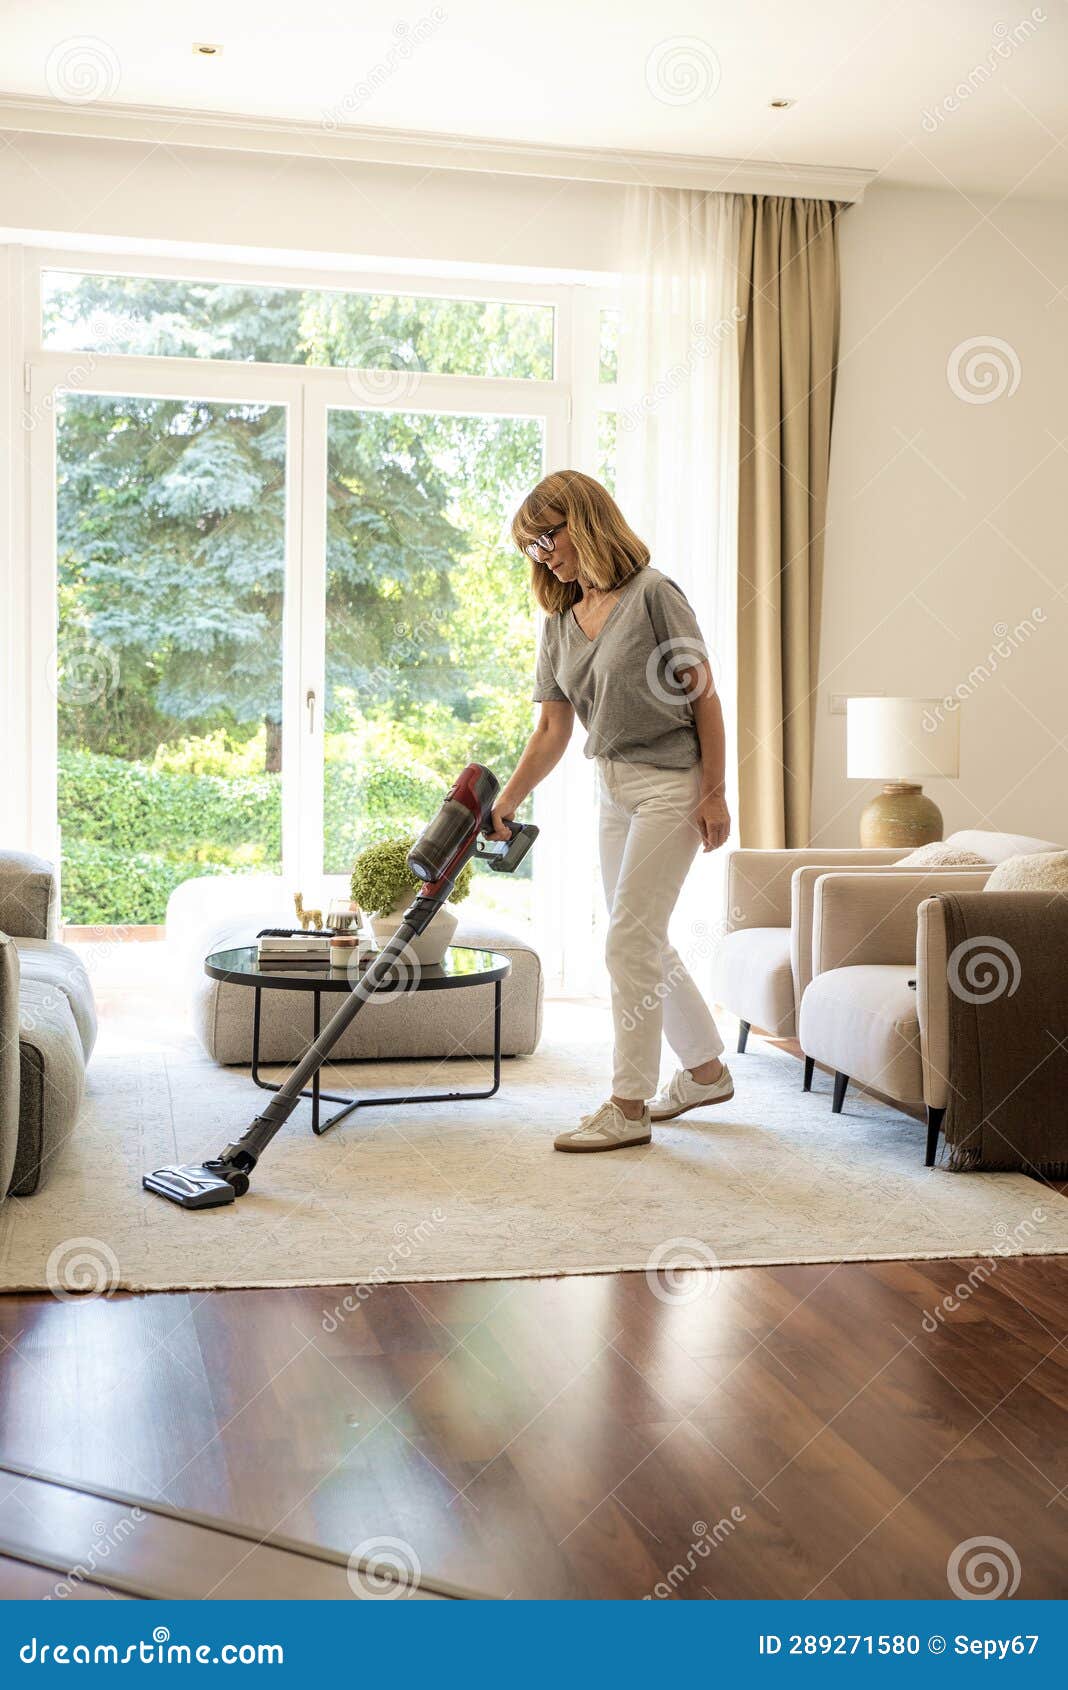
(319, 1126)
(316, 1092)
(316, 1029)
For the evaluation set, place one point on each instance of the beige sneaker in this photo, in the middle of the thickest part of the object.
(683, 1092)
(606, 1129)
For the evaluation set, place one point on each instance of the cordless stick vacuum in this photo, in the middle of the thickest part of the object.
(438, 855)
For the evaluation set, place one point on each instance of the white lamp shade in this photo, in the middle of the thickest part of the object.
(910, 739)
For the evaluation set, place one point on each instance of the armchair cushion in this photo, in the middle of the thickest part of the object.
(1038, 871)
(862, 1021)
(995, 847)
(941, 854)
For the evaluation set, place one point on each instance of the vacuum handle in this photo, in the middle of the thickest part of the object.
(504, 856)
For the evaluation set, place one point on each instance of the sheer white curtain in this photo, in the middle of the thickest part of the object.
(677, 455)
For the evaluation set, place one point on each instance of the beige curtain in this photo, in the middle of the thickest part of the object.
(789, 294)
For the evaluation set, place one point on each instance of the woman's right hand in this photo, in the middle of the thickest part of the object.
(503, 812)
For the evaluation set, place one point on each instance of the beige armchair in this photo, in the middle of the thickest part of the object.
(765, 959)
(875, 1010)
(767, 944)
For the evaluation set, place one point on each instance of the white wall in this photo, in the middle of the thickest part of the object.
(947, 518)
(145, 192)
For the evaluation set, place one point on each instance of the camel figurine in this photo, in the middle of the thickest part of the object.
(307, 918)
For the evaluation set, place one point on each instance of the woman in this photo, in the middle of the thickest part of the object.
(621, 649)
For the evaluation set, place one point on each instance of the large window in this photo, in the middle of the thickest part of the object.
(270, 538)
(175, 318)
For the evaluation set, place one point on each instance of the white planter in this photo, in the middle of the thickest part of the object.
(430, 947)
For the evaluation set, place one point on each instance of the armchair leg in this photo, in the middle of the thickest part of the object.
(810, 1069)
(840, 1083)
(935, 1118)
(743, 1034)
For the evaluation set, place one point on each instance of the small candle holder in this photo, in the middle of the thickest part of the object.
(344, 915)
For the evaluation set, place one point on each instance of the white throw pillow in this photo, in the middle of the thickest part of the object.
(998, 847)
(942, 854)
(1035, 871)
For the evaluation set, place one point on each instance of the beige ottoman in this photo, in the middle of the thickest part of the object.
(202, 917)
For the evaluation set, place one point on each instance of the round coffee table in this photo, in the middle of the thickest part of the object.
(461, 968)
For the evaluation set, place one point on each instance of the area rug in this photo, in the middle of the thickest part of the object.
(474, 1190)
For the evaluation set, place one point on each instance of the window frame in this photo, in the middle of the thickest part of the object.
(567, 405)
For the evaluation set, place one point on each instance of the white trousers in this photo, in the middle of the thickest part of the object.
(648, 839)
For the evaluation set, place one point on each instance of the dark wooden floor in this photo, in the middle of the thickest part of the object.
(583, 1437)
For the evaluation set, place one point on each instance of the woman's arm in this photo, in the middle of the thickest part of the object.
(713, 817)
(542, 752)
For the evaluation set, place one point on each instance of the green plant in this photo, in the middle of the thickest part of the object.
(382, 880)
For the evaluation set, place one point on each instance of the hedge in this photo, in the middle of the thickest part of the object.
(122, 888)
(132, 833)
(133, 807)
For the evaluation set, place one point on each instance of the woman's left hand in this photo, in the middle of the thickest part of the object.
(713, 818)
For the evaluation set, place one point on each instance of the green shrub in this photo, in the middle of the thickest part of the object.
(121, 888)
(134, 807)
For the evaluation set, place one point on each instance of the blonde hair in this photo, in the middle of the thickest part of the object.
(608, 549)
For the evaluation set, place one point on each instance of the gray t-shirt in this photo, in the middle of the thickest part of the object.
(625, 684)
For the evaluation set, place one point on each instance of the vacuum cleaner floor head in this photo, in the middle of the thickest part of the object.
(194, 1185)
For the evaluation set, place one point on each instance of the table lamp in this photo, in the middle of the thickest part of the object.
(901, 741)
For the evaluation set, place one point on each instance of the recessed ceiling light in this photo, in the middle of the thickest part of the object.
(781, 105)
(207, 49)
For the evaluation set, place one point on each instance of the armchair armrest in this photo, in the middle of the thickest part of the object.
(9, 1060)
(27, 896)
(872, 918)
(758, 882)
(932, 1000)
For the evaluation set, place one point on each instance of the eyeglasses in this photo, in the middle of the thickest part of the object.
(545, 544)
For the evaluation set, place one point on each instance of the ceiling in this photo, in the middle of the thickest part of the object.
(871, 79)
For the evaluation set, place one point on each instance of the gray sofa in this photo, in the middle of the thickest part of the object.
(47, 1026)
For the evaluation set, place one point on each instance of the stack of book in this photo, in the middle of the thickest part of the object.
(298, 950)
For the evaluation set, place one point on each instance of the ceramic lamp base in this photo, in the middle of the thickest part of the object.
(901, 816)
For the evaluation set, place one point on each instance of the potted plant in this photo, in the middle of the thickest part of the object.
(383, 884)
